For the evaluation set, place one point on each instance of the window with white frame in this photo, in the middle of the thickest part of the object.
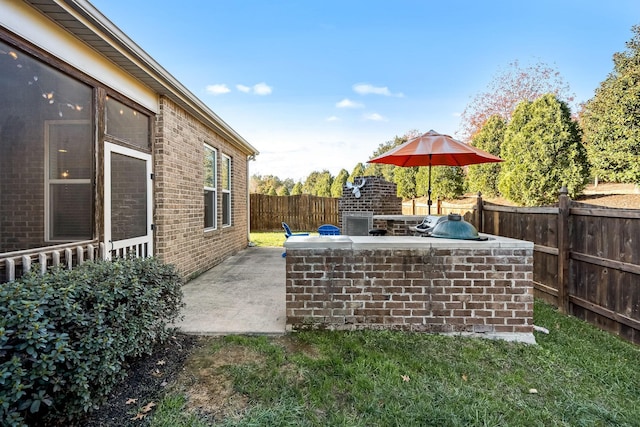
(226, 190)
(210, 187)
(68, 179)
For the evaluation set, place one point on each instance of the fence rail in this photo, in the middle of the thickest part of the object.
(421, 207)
(586, 258)
(301, 212)
(14, 264)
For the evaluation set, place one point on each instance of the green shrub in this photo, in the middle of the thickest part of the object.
(542, 152)
(65, 337)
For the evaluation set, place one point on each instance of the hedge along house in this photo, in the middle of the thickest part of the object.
(104, 153)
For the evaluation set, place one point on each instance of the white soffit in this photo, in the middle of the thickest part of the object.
(20, 19)
(90, 26)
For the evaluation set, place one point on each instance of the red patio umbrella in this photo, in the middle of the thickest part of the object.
(434, 149)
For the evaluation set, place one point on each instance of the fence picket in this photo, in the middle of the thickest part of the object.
(591, 250)
(302, 212)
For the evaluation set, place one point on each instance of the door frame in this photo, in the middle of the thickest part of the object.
(133, 245)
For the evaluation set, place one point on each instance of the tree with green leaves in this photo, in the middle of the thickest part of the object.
(318, 184)
(309, 185)
(358, 171)
(283, 191)
(447, 182)
(297, 189)
(611, 119)
(405, 180)
(323, 184)
(381, 169)
(484, 177)
(542, 151)
(338, 183)
(270, 184)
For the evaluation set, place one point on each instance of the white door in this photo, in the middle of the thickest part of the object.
(128, 206)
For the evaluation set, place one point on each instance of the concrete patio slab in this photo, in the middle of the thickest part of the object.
(245, 294)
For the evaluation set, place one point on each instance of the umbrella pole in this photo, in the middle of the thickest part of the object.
(429, 190)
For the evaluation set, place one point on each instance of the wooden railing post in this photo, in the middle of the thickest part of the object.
(439, 206)
(563, 250)
(479, 218)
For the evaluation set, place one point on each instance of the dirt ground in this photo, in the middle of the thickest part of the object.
(148, 376)
(132, 403)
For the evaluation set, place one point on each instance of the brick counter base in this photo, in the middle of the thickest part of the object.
(423, 290)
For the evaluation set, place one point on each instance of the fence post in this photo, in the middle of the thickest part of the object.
(439, 206)
(563, 250)
(479, 218)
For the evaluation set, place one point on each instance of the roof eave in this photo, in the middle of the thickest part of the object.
(82, 19)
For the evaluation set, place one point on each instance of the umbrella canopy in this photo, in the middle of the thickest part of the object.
(434, 149)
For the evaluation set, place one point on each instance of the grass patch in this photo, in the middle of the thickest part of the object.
(267, 238)
(271, 238)
(582, 377)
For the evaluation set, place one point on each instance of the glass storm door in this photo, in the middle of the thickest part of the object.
(128, 215)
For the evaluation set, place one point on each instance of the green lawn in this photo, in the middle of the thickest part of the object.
(276, 238)
(577, 375)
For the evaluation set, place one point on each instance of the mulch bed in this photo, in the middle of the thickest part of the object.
(145, 384)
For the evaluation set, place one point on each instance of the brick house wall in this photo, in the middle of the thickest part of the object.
(180, 237)
(483, 290)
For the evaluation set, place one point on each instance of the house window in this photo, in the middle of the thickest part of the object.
(126, 124)
(226, 190)
(68, 189)
(47, 140)
(210, 187)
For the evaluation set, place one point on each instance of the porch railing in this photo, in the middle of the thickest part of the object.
(69, 255)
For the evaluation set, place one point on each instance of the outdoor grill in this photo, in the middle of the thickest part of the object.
(428, 224)
(451, 226)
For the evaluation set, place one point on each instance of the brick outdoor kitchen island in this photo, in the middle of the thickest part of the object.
(407, 283)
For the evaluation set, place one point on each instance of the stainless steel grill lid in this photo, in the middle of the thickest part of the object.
(454, 227)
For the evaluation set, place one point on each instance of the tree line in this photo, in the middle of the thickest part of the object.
(525, 118)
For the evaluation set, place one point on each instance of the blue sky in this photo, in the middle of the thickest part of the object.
(317, 85)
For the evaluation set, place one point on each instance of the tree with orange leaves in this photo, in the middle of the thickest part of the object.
(506, 90)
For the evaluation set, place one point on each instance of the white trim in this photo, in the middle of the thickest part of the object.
(48, 181)
(148, 239)
(227, 159)
(214, 189)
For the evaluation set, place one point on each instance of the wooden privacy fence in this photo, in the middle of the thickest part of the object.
(302, 212)
(586, 258)
(438, 207)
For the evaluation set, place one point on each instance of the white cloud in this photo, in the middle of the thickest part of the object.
(457, 114)
(374, 117)
(262, 89)
(333, 119)
(367, 89)
(347, 103)
(257, 89)
(218, 89)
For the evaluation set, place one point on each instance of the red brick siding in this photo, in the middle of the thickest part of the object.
(377, 195)
(178, 192)
(430, 290)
